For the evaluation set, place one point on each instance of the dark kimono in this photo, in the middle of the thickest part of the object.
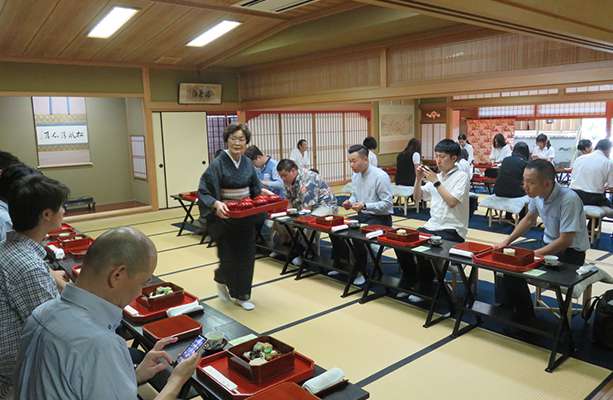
(235, 238)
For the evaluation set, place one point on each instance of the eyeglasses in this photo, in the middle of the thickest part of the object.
(237, 139)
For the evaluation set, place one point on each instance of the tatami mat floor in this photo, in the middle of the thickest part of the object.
(381, 345)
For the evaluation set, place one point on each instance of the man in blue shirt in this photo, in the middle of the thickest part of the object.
(371, 198)
(561, 211)
(69, 348)
(266, 169)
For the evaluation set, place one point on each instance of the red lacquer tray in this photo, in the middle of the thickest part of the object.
(320, 227)
(189, 196)
(400, 243)
(469, 249)
(275, 207)
(305, 219)
(303, 370)
(146, 315)
(182, 327)
(64, 235)
(63, 228)
(372, 228)
(483, 165)
(284, 391)
(486, 258)
(77, 248)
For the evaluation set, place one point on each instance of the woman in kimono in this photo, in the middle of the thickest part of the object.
(231, 176)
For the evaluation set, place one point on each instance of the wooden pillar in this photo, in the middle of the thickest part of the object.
(609, 116)
(149, 146)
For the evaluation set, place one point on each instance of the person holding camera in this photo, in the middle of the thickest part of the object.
(69, 348)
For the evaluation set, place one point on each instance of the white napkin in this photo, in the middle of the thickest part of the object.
(339, 228)
(58, 253)
(184, 309)
(324, 381)
(461, 253)
(374, 234)
(278, 214)
(586, 268)
(131, 310)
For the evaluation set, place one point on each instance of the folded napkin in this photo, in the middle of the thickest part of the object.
(131, 310)
(586, 268)
(374, 234)
(184, 309)
(324, 381)
(339, 228)
(278, 214)
(461, 253)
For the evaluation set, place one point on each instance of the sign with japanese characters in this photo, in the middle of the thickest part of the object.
(62, 137)
(61, 134)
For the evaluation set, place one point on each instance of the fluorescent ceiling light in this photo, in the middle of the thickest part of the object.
(112, 22)
(215, 32)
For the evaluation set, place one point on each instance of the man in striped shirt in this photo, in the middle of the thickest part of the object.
(36, 208)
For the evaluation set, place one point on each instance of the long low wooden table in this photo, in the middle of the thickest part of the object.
(562, 281)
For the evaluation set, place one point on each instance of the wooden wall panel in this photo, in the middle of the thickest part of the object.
(499, 53)
(359, 71)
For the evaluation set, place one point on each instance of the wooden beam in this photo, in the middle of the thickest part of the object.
(61, 61)
(170, 106)
(149, 143)
(7, 93)
(545, 99)
(229, 9)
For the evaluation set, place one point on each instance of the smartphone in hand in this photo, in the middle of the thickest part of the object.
(192, 348)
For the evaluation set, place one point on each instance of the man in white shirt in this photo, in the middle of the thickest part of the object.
(300, 155)
(448, 192)
(371, 144)
(592, 174)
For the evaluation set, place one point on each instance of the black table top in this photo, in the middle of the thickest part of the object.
(565, 275)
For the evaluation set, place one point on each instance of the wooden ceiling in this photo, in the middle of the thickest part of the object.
(56, 30)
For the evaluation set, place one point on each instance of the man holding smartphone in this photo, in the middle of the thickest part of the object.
(448, 193)
(69, 348)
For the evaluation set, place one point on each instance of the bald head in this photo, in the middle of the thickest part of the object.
(120, 246)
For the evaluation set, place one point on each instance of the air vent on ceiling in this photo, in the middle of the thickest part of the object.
(273, 6)
(167, 60)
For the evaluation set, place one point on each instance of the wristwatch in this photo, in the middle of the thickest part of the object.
(437, 184)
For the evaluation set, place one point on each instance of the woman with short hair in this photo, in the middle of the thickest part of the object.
(231, 176)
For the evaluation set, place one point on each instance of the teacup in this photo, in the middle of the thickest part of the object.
(436, 240)
(214, 339)
(551, 260)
